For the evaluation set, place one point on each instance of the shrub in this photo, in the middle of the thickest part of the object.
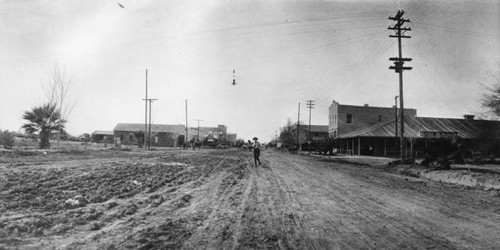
(7, 139)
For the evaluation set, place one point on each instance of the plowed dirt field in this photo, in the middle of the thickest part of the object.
(211, 199)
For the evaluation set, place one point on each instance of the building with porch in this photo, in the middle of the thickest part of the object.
(380, 139)
(347, 118)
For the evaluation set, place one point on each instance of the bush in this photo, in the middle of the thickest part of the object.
(7, 139)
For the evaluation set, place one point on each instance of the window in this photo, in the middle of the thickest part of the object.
(349, 118)
(131, 137)
(379, 118)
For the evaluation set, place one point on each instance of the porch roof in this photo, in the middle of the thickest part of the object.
(423, 126)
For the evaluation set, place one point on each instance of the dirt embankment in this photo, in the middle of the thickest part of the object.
(218, 200)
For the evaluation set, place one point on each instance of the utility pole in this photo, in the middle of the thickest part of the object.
(146, 111)
(198, 136)
(186, 140)
(396, 121)
(298, 128)
(150, 100)
(310, 105)
(399, 68)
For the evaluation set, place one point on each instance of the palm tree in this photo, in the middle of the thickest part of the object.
(44, 120)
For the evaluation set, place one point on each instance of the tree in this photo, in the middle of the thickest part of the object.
(57, 91)
(288, 134)
(43, 120)
(491, 100)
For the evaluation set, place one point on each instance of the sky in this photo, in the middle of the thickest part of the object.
(283, 53)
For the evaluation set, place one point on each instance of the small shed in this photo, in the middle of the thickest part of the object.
(101, 135)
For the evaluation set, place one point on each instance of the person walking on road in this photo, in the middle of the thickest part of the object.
(256, 151)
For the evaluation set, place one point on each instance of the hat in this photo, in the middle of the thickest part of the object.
(255, 138)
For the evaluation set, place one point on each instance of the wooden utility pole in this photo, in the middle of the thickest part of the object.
(399, 68)
(150, 100)
(396, 121)
(310, 105)
(186, 140)
(198, 136)
(146, 111)
(298, 128)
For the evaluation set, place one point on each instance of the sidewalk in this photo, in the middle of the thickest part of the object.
(479, 176)
(361, 159)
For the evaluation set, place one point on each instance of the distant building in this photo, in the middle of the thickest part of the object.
(319, 133)
(100, 135)
(219, 132)
(346, 118)
(231, 138)
(161, 135)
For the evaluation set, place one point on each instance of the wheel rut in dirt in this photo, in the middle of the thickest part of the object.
(218, 199)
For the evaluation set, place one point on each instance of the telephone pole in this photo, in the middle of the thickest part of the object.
(399, 68)
(186, 140)
(146, 111)
(310, 105)
(396, 121)
(298, 127)
(198, 136)
(150, 100)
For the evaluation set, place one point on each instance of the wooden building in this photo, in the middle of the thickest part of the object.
(219, 132)
(380, 139)
(161, 135)
(346, 118)
(100, 135)
(319, 133)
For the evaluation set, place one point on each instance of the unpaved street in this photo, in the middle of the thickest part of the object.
(217, 200)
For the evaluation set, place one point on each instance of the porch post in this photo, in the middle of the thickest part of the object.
(385, 146)
(352, 152)
(411, 147)
(359, 146)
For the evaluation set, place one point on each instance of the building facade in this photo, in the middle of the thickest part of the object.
(219, 133)
(319, 133)
(346, 118)
(161, 135)
(420, 133)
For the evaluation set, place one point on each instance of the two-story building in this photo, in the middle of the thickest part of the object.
(366, 130)
(346, 118)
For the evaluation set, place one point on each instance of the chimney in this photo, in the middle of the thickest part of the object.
(366, 105)
(469, 117)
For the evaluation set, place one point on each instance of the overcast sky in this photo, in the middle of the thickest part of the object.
(283, 52)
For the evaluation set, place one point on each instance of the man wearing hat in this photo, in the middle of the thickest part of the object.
(256, 151)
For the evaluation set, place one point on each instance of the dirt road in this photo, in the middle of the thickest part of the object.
(218, 200)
